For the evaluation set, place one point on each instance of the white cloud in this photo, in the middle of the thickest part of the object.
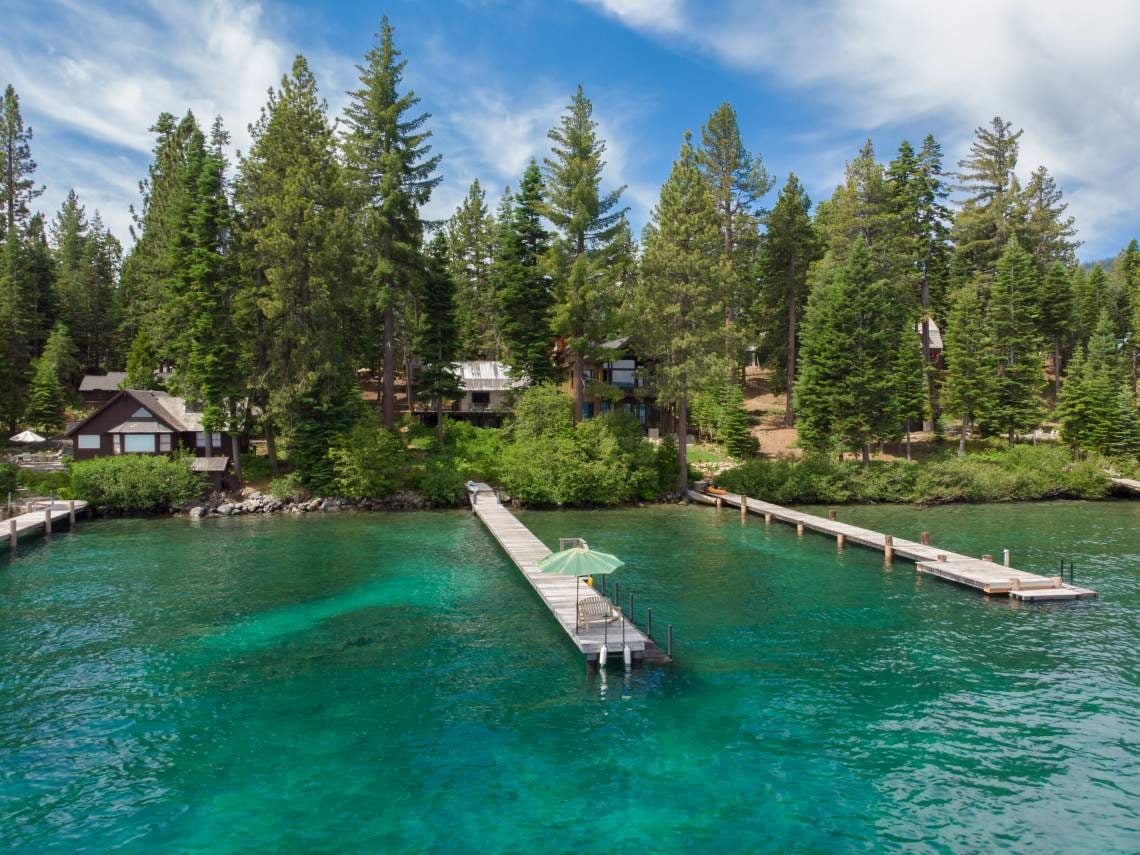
(1068, 73)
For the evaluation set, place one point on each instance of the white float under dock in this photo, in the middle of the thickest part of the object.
(986, 576)
(559, 593)
(35, 520)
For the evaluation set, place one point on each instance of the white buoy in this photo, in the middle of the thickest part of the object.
(627, 656)
(602, 654)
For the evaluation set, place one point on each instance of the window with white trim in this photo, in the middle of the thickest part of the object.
(118, 442)
(89, 440)
(139, 443)
(164, 442)
(200, 439)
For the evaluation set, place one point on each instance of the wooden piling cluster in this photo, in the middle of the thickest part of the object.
(984, 574)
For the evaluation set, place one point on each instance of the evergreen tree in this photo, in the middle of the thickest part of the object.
(1055, 315)
(908, 389)
(1048, 233)
(738, 180)
(470, 241)
(1094, 299)
(47, 398)
(734, 428)
(970, 359)
(1013, 321)
(523, 285)
(918, 190)
(17, 186)
(987, 219)
(142, 361)
(296, 236)
(437, 341)
(678, 298)
(145, 305)
(790, 246)
(591, 227)
(845, 391)
(1097, 411)
(393, 174)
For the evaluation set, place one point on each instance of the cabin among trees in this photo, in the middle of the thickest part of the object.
(613, 382)
(142, 421)
(97, 389)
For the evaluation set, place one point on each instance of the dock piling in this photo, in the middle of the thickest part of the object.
(800, 529)
(888, 548)
(924, 538)
(13, 535)
(743, 508)
(767, 519)
(71, 513)
(839, 540)
(47, 523)
(1005, 557)
(831, 513)
(719, 503)
(987, 557)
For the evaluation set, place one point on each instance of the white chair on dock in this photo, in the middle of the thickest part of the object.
(595, 609)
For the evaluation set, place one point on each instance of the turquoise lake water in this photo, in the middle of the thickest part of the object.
(382, 682)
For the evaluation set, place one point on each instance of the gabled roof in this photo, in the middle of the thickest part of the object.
(217, 463)
(170, 410)
(109, 382)
(485, 375)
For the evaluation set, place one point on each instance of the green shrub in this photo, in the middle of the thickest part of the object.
(475, 452)
(137, 482)
(287, 488)
(57, 483)
(368, 462)
(8, 475)
(442, 483)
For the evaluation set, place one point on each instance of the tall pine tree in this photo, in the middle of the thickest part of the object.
(17, 186)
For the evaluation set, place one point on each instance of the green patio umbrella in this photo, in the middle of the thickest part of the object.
(579, 561)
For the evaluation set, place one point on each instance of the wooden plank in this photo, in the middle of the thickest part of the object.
(33, 521)
(559, 593)
(986, 576)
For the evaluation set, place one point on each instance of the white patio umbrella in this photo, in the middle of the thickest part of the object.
(25, 436)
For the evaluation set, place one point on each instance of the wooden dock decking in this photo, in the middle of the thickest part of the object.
(559, 593)
(986, 576)
(33, 521)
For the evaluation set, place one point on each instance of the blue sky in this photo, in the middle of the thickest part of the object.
(809, 81)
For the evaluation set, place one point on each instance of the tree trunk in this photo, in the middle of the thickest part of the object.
(962, 435)
(208, 440)
(1010, 437)
(927, 380)
(409, 385)
(578, 383)
(866, 454)
(908, 440)
(235, 447)
(438, 402)
(271, 449)
(389, 368)
(789, 413)
(682, 445)
(1057, 369)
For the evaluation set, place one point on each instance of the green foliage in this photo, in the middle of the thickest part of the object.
(1015, 474)
(323, 414)
(47, 396)
(367, 462)
(541, 411)
(970, 361)
(286, 488)
(51, 483)
(473, 452)
(735, 429)
(137, 483)
(8, 476)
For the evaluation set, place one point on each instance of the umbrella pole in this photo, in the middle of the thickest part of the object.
(576, 624)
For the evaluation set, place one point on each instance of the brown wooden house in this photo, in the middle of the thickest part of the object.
(143, 421)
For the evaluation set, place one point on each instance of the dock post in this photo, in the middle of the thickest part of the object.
(718, 502)
(839, 539)
(649, 623)
(669, 649)
(1005, 557)
(800, 529)
(47, 523)
(767, 519)
(831, 514)
(924, 538)
(987, 557)
(941, 556)
(743, 508)
(71, 513)
(888, 548)
(13, 535)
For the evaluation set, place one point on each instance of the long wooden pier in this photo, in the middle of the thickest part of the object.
(984, 575)
(41, 519)
(559, 593)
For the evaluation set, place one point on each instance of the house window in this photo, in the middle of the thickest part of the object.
(118, 442)
(142, 413)
(139, 443)
(480, 397)
(200, 439)
(89, 440)
(164, 442)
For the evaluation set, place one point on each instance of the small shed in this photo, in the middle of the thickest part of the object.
(215, 468)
